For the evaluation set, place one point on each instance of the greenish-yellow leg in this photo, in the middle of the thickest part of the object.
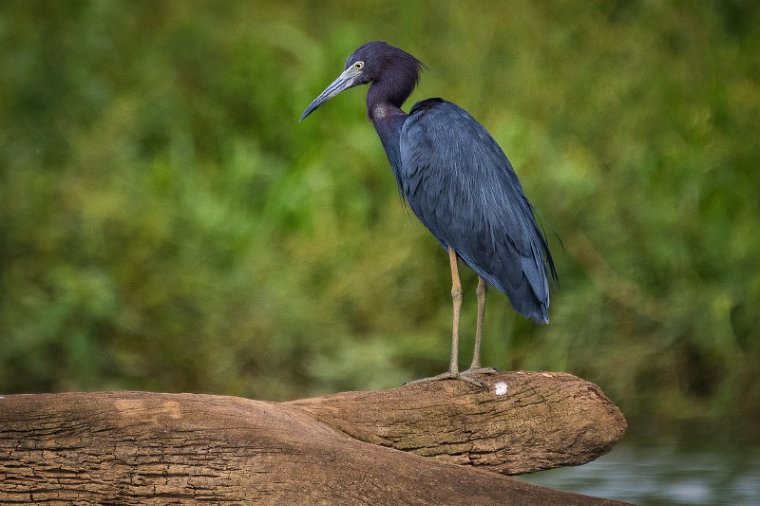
(456, 298)
(481, 292)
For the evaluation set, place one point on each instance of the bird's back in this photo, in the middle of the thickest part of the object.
(462, 187)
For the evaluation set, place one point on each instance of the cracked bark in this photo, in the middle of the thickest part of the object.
(146, 448)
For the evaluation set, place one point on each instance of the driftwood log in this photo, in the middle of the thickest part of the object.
(457, 442)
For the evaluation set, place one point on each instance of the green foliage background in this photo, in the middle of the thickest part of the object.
(167, 224)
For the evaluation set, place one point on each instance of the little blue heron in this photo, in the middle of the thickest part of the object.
(460, 185)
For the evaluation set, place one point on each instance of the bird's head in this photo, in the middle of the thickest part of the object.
(370, 63)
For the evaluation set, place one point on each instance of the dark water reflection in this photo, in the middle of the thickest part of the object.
(652, 474)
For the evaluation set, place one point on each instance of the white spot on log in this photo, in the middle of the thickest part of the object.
(500, 388)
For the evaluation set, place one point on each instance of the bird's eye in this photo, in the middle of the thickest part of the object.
(358, 65)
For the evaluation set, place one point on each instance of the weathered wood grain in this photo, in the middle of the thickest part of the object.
(148, 448)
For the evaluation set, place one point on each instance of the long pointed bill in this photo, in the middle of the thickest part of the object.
(344, 81)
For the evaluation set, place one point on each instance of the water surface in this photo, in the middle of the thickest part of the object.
(703, 473)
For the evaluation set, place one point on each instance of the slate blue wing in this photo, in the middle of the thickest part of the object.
(462, 187)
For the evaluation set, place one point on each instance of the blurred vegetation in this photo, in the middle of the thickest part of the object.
(166, 224)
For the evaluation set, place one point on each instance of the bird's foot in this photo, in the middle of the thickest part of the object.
(465, 376)
(480, 370)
